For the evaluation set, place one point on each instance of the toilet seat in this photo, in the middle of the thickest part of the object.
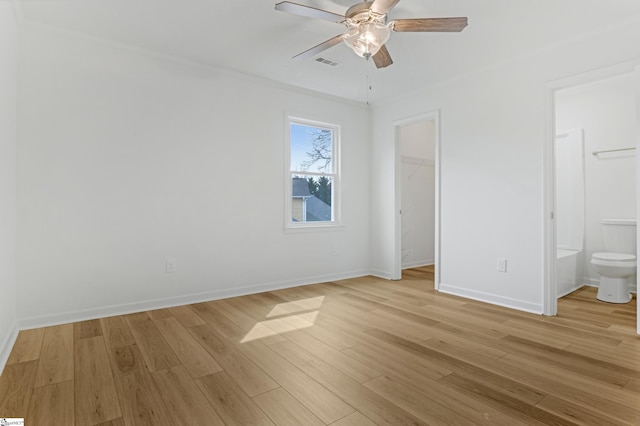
(614, 257)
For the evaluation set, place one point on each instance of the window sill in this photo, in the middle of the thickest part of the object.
(313, 228)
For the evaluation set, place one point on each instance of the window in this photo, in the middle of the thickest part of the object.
(312, 175)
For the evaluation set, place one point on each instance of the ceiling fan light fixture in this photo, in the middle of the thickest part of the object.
(366, 38)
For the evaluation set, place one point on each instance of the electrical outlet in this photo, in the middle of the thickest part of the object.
(171, 266)
(501, 266)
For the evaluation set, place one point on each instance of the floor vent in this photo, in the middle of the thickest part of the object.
(327, 61)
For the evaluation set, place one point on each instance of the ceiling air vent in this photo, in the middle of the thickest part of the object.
(326, 61)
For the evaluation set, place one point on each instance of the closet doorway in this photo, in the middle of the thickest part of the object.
(417, 193)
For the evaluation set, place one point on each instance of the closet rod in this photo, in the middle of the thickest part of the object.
(596, 153)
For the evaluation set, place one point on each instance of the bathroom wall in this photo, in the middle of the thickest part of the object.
(606, 110)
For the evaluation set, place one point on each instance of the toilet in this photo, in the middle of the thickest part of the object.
(618, 262)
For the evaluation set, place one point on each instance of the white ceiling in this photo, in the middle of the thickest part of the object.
(251, 37)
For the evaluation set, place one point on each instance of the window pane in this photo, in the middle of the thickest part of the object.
(311, 149)
(311, 198)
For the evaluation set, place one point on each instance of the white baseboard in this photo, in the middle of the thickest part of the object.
(380, 274)
(7, 345)
(507, 302)
(128, 308)
(418, 263)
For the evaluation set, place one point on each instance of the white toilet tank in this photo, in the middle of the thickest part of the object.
(619, 235)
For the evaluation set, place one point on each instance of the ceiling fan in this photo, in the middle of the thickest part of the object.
(367, 28)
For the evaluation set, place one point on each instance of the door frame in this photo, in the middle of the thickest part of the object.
(396, 273)
(550, 300)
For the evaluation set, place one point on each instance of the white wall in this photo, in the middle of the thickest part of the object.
(126, 160)
(417, 147)
(606, 110)
(8, 140)
(492, 142)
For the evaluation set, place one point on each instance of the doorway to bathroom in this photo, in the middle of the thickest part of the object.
(417, 195)
(593, 179)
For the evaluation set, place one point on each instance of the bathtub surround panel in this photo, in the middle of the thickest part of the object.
(569, 212)
(570, 190)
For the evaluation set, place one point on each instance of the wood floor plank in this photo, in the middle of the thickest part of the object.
(115, 422)
(230, 402)
(184, 401)
(461, 347)
(96, 399)
(193, 356)
(222, 324)
(355, 419)
(320, 401)
(116, 332)
(577, 414)
(251, 328)
(585, 392)
(335, 339)
(350, 366)
(52, 405)
(563, 333)
(616, 355)
(186, 315)
(157, 354)
(237, 316)
(415, 402)
(633, 385)
(266, 299)
(249, 377)
(87, 329)
(396, 363)
(158, 314)
(56, 361)
(27, 347)
(600, 370)
(464, 368)
(504, 402)
(428, 401)
(285, 410)
(296, 305)
(16, 388)
(374, 407)
(250, 307)
(140, 398)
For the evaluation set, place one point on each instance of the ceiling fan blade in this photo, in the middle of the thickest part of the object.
(320, 48)
(383, 6)
(382, 59)
(310, 12)
(430, 25)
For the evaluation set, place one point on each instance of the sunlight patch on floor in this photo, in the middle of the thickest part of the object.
(295, 307)
(290, 318)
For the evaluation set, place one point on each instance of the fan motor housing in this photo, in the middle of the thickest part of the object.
(361, 13)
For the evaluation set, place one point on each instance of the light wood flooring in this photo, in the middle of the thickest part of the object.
(363, 351)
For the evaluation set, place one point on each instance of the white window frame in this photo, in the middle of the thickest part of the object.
(335, 223)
